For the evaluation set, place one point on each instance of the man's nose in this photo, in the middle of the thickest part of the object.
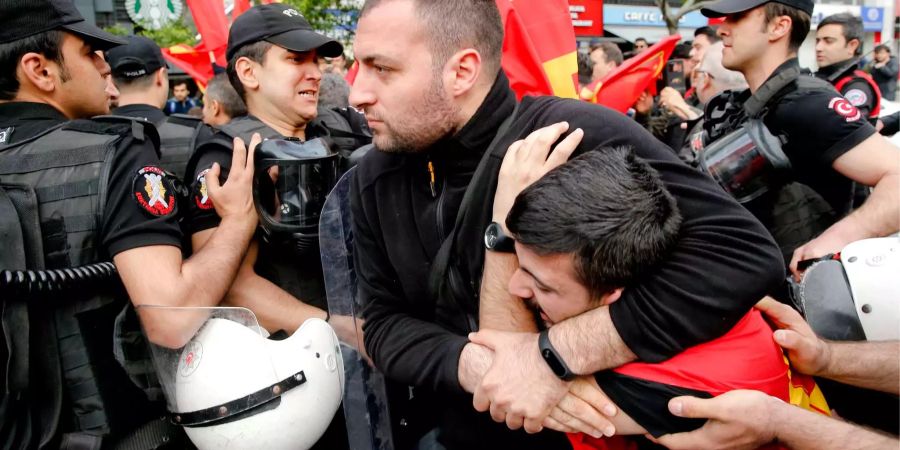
(361, 93)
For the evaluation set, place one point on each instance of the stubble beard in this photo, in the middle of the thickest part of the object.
(428, 121)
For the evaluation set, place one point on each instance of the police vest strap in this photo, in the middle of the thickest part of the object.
(244, 128)
(757, 102)
(860, 74)
(139, 128)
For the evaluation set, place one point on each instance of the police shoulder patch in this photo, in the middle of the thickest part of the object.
(856, 97)
(153, 191)
(845, 109)
(201, 193)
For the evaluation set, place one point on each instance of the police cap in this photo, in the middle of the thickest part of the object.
(726, 7)
(281, 25)
(139, 57)
(24, 18)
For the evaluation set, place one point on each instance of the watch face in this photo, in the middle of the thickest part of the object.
(490, 236)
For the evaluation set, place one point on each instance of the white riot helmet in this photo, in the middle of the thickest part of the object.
(854, 296)
(234, 388)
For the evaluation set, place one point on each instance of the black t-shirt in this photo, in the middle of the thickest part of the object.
(820, 125)
(127, 222)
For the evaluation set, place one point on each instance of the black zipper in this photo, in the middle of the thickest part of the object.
(452, 272)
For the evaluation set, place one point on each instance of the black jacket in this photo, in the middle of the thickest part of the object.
(886, 77)
(724, 263)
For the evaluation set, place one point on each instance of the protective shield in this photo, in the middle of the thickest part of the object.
(292, 180)
(365, 396)
(746, 162)
(231, 387)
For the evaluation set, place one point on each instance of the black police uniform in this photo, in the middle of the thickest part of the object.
(302, 277)
(76, 392)
(855, 85)
(861, 91)
(816, 126)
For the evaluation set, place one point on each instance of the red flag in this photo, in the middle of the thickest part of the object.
(193, 61)
(209, 17)
(539, 47)
(622, 87)
(239, 7)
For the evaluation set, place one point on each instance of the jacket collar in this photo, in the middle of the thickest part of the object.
(464, 149)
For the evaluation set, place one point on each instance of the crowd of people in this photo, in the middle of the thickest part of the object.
(540, 273)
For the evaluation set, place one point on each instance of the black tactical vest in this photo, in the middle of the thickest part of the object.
(177, 134)
(75, 386)
(793, 213)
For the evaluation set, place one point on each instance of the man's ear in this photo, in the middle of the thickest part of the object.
(780, 27)
(611, 297)
(216, 108)
(853, 45)
(161, 75)
(246, 72)
(462, 70)
(37, 70)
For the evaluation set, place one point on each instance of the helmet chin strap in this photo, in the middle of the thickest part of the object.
(264, 399)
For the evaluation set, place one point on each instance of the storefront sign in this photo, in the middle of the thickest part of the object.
(873, 18)
(647, 16)
(154, 14)
(587, 17)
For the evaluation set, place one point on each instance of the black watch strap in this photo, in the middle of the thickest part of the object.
(552, 358)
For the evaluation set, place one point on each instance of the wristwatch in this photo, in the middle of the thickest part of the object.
(496, 240)
(552, 358)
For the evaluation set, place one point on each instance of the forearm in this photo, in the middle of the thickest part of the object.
(800, 429)
(589, 342)
(498, 310)
(878, 216)
(871, 365)
(274, 308)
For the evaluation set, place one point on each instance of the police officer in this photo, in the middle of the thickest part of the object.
(140, 73)
(827, 144)
(81, 192)
(272, 64)
(827, 140)
(838, 49)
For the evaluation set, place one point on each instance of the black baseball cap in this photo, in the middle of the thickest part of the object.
(725, 7)
(281, 25)
(24, 18)
(138, 57)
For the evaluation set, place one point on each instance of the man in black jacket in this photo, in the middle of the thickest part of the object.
(431, 87)
(884, 70)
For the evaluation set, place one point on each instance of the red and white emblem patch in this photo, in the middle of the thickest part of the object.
(845, 109)
(153, 191)
(201, 194)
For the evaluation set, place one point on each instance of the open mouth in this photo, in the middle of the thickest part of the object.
(309, 93)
